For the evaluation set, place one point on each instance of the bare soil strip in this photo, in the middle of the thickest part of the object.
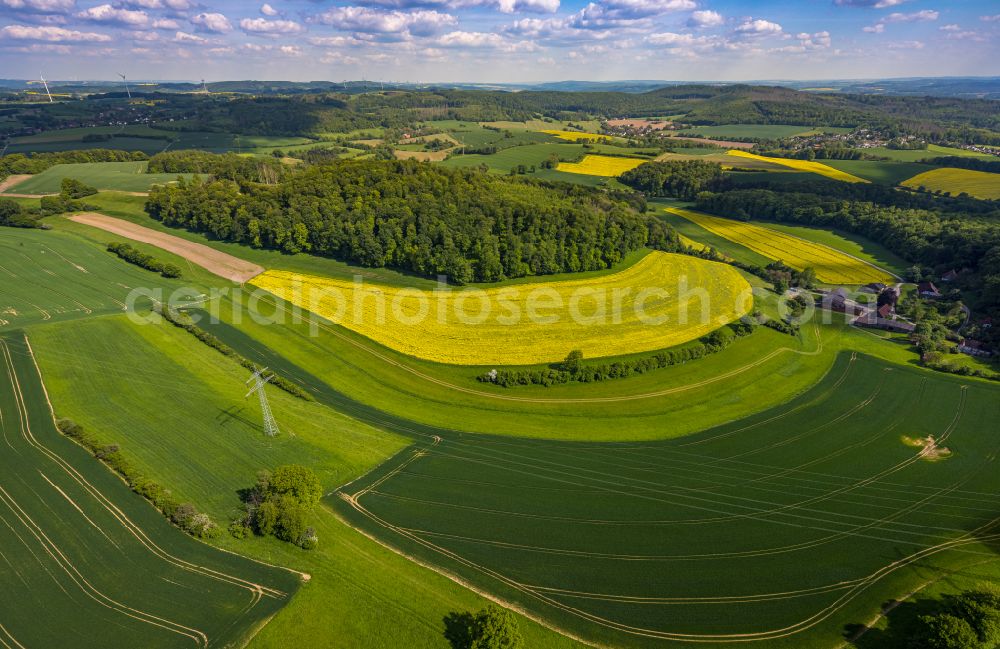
(10, 181)
(212, 260)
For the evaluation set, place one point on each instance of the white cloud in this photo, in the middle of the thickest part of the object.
(877, 28)
(906, 45)
(40, 6)
(144, 36)
(705, 19)
(531, 6)
(165, 23)
(483, 40)
(950, 28)
(114, 16)
(375, 21)
(917, 16)
(990, 19)
(173, 5)
(290, 50)
(759, 27)
(185, 37)
(809, 43)
(877, 4)
(50, 34)
(265, 27)
(268, 10)
(212, 22)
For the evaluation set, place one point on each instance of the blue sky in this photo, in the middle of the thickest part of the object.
(498, 40)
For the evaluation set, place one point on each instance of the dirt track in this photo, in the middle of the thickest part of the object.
(220, 263)
(10, 181)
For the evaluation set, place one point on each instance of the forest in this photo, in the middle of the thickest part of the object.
(466, 225)
(682, 179)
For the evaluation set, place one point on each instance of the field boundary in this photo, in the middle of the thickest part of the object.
(215, 261)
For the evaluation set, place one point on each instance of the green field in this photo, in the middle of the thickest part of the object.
(786, 526)
(117, 176)
(104, 372)
(885, 173)
(148, 139)
(763, 131)
(84, 556)
(722, 245)
(53, 276)
(507, 159)
(932, 151)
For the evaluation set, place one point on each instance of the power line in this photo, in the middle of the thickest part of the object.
(270, 425)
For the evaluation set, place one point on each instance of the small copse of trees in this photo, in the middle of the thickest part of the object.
(279, 505)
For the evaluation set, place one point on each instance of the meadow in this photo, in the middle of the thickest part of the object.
(802, 165)
(763, 131)
(54, 276)
(513, 326)
(932, 151)
(600, 165)
(831, 265)
(382, 599)
(117, 176)
(979, 184)
(883, 173)
(151, 140)
(718, 536)
(82, 553)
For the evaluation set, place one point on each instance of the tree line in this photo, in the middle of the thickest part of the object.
(430, 220)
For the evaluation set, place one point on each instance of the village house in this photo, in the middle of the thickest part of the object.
(928, 290)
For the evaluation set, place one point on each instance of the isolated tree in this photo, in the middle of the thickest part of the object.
(495, 628)
(573, 361)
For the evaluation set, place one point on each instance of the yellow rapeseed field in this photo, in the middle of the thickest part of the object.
(980, 184)
(802, 165)
(832, 266)
(573, 136)
(661, 301)
(600, 165)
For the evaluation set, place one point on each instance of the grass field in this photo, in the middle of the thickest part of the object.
(55, 276)
(979, 184)
(149, 140)
(783, 528)
(932, 151)
(505, 160)
(831, 265)
(766, 131)
(600, 165)
(359, 594)
(883, 173)
(84, 556)
(517, 325)
(802, 165)
(120, 176)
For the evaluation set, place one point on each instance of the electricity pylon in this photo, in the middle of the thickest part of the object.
(270, 425)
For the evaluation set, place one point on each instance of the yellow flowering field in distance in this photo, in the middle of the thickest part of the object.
(802, 165)
(573, 136)
(980, 184)
(832, 266)
(600, 165)
(682, 298)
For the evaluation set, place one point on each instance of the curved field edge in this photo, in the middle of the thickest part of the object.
(99, 557)
(831, 264)
(107, 372)
(858, 524)
(532, 323)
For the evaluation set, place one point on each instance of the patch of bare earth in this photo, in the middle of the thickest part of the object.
(212, 260)
(10, 181)
(422, 156)
(930, 449)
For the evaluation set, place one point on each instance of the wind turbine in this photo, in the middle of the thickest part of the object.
(122, 75)
(45, 83)
(204, 88)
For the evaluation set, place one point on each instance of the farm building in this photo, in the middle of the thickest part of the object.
(927, 289)
(973, 347)
(889, 295)
(875, 288)
(872, 320)
(950, 276)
